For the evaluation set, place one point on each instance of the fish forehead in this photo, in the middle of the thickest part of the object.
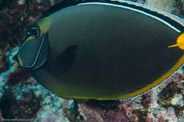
(111, 57)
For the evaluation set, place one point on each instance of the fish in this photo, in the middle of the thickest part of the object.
(102, 50)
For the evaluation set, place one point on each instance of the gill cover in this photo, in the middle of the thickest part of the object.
(33, 52)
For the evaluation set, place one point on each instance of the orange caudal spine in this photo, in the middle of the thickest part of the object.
(180, 42)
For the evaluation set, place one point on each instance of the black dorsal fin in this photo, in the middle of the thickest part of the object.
(67, 3)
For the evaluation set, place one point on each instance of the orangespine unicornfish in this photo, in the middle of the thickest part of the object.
(102, 50)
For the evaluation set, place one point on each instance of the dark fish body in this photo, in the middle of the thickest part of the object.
(99, 50)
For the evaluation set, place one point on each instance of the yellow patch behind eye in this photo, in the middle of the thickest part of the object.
(180, 42)
(44, 25)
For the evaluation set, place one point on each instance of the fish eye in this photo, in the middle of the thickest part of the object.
(34, 31)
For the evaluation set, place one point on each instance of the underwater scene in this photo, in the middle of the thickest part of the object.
(92, 60)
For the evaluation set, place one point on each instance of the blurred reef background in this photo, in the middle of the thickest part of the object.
(23, 99)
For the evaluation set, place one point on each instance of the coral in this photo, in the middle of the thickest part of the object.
(165, 5)
(55, 109)
(179, 8)
(18, 76)
(24, 107)
(101, 111)
(16, 18)
(3, 63)
(172, 96)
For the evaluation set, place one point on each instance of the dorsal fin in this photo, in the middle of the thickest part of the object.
(67, 3)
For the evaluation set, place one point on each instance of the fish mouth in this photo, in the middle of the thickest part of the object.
(40, 57)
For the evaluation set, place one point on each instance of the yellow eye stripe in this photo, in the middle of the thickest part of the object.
(44, 25)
